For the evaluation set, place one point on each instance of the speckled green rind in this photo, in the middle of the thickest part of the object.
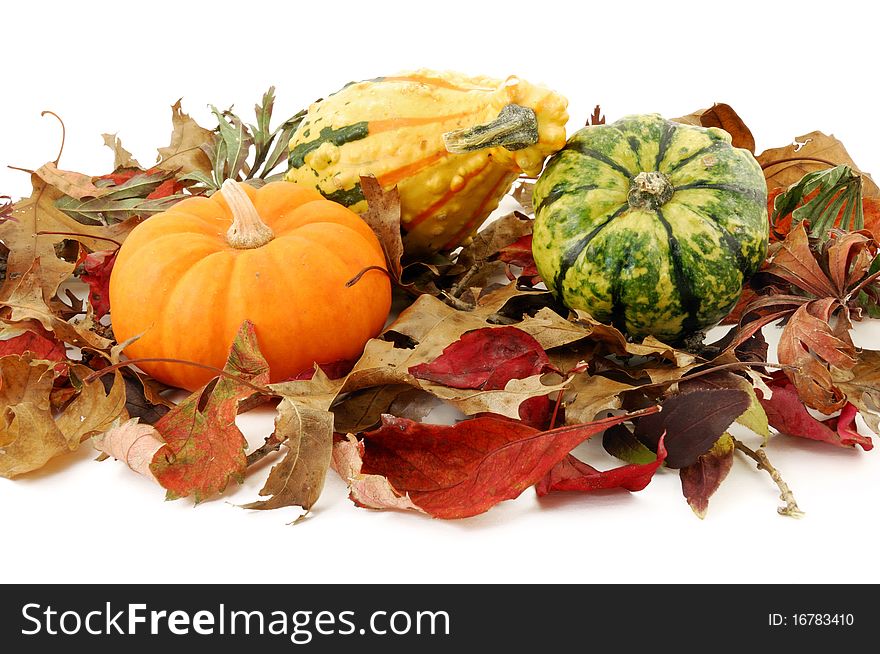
(669, 271)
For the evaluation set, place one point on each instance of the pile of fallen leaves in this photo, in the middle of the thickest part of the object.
(476, 331)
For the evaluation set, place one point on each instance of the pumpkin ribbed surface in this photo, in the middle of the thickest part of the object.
(650, 224)
(393, 128)
(179, 283)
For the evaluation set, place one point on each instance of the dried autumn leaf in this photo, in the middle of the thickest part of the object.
(122, 158)
(134, 443)
(97, 267)
(465, 469)
(39, 342)
(587, 396)
(366, 491)
(723, 116)
(383, 217)
(814, 151)
(298, 479)
(701, 479)
(31, 433)
(788, 415)
(809, 344)
(142, 399)
(76, 185)
(185, 154)
(861, 383)
(692, 422)
(522, 193)
(29, 240)
(572, 474)
(205, 447)
(362, 410)
(26, 303)
(496, 236)
(485, 358)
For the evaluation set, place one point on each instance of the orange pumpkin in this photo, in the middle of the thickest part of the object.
(279, 256)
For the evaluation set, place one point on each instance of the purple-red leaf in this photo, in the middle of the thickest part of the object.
(692, 422)
(572, 474)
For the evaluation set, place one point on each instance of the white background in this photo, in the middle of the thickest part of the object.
(787, 68)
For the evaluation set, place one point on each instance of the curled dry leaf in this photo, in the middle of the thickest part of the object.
(723, 116)
(122, 158)
(134, 443)
(366, 491)
(76, 185)
(383, 217)
(572, 474)
(185, 153)
(298, 479)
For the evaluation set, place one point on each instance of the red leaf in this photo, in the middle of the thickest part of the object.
(519, 253)
(788, 415)
(572, 474)
(166, 188)
(487, 359)
(97, 267)
(207, 448)
(38, 341)
(465, 469)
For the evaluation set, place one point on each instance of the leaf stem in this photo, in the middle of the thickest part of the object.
(767, 165)
(271, 444)
(760, 457)
(63, 133)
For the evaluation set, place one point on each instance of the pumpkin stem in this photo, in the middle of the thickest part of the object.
(247, 230)
(649, 190)
(515, 128)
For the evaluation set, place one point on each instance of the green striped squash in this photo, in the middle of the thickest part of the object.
(650, 225)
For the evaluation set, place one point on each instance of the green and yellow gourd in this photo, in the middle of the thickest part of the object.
(650, 225)
(452, 145)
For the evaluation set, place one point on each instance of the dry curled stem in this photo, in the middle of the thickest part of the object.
(760, 457)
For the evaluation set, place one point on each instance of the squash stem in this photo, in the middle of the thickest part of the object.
(649, 190)
(247, 230)
(515, 128)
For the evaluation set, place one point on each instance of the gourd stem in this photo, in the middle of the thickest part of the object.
(649, 190)
(515, 128)
(247, 230)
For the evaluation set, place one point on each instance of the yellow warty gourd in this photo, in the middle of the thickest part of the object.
(452, 145)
